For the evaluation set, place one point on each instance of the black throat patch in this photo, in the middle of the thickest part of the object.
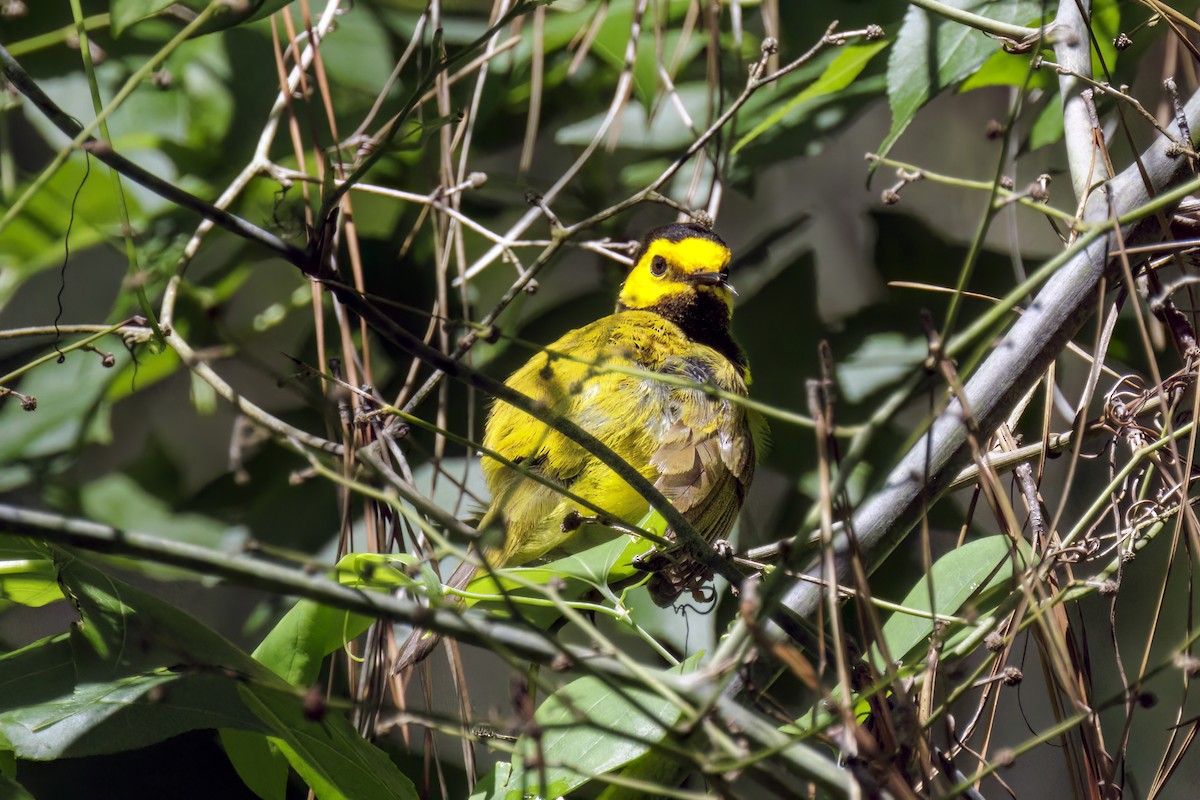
(704, 318)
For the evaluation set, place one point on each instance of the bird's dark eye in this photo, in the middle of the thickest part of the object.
(658, 267)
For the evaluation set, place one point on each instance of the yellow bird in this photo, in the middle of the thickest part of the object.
(672, 319)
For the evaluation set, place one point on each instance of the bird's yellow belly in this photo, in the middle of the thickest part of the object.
(623, 414)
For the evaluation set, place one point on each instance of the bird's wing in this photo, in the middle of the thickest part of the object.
(580, 389)
(705, 459)
(705, 451)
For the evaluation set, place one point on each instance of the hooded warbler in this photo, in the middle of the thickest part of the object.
(672, 318)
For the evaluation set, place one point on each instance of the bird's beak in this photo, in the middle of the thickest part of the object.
(711, 279)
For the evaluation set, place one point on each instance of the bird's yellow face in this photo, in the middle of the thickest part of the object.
(677, 264)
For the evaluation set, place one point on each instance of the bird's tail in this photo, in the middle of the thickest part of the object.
(420, 643)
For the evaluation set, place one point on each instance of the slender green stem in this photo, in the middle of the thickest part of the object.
(8, 166)
(54, 355)
(985, 325)
(135, 332)
(85, 52)
(55, 37)
(980, 23)
(985, 186)
(296, 580)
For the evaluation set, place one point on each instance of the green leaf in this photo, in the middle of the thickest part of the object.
(978, 574)
(309, 631)
(124, 13)
(638, 130)
(589, 728)
(881, 360)
(595, 568)
(328, 754)
(1009, 69)
(34, 241)
(257, 761)
(932, 53)
(604, 564)
(120, 501)
(840, 73)
(127, 12)
(136, 671)
(47, 711)
(29, 582)
(1048, 127)
(1106, 24)
(149, 370)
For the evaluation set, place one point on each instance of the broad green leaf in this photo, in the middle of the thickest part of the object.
(28, 582)
(613, 37)
(486, 787)
(1106, 24)
(328, 754)
(35, 240)
(124, 13)
(309, 631)
(257, 761)
(979, 574)
(1010, 69)
(136, 671)
(1048, 127)
(840, 73)
(128, 12)
(114, 614)
(341, 53)
(589, 728)
(133, 672)
(149, 369)
(932, 53)
(637, 130)
(607, 563)
(879, 362)
(47, 711)
(122, 502)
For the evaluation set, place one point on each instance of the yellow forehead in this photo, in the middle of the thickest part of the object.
(687, 256)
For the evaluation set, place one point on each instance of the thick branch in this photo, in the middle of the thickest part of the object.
(1018, 361)
(1072, 48)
